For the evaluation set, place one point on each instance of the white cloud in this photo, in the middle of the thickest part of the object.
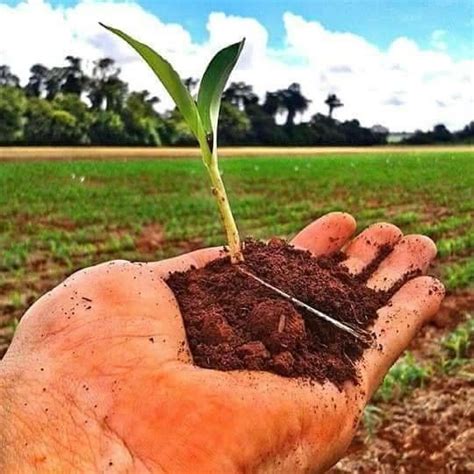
(404, 87)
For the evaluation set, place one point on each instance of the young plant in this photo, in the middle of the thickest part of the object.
(403, 377)
(455, 347)
(372, 419)
(201, 116)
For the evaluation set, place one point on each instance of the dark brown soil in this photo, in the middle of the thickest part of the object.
(233, 322)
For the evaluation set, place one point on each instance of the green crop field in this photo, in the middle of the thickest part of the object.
(58, 216)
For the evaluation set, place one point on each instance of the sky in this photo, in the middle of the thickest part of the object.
(405, 64)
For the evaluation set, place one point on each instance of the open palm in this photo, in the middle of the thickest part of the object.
(99, 376)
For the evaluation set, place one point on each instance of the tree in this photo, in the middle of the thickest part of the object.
(72, 104)
(12, 109)
(50, 125)
(441, 134)
(272, 103)
(115, 94)
(54, 82)
(75, 80)
(234, 125)
(332, 101)
(107, 128)
(142, 123)
(293, 101)
(7, 78)
(191, 84)
(466, 134)
(289, 100)
(177, 131)
(105, 87)
(37, 82)
(326, 131)
(49, 110)
(240, 94)
(263, 129)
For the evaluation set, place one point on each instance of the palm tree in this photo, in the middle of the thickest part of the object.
(272, 104)
(293, 101)
(332, 101)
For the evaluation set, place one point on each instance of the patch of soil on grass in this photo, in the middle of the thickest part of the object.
(233, 322)
(150, 239)
(452, 309)
(188, 245)
(432, 431)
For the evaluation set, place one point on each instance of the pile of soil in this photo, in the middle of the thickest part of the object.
(233, 322)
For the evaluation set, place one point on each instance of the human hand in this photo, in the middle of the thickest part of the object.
(99, 377)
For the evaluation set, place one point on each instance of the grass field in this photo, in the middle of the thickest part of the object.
(57, 216)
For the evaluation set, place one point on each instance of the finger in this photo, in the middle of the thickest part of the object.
(181, 263)
(326, 234)
(366, 247)
(414, 304)
(412, 254)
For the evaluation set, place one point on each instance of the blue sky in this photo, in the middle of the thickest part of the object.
(378, 21)
(405, 64)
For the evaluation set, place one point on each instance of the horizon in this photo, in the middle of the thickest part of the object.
(411, 75)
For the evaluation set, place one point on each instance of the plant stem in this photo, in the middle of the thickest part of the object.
(218, 190)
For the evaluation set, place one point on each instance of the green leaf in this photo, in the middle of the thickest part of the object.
(212, 86)
(169, 78)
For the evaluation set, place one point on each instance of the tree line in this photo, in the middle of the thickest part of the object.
(441, 135)
(66, 106)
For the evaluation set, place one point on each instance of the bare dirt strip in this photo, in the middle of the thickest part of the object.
(72, 153)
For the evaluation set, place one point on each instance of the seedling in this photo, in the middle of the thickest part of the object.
(201, 116)
(372, 419)
(404, 376)
(455, 345)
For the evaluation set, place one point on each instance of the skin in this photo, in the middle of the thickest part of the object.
(99, 378)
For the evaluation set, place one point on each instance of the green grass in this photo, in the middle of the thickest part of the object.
(456, 245)
(443, 226)
(459, 275)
